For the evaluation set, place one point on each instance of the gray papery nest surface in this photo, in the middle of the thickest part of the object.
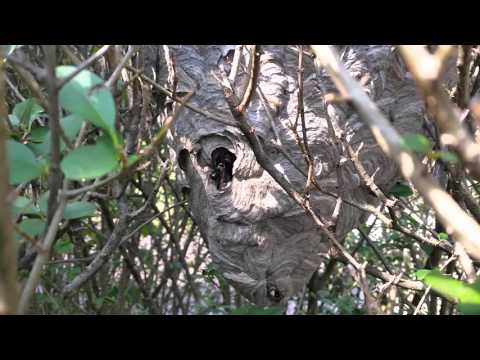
(264, 244)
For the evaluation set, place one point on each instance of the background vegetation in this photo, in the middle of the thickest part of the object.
(92, 220)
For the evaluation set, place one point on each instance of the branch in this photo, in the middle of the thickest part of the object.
(446, 116)
(179, 100)
(248, 90)
(143, 155)
(282, 180)
(427, 290)
(8, 256)
(55, 174)
(84, 65)
(385, 276)
(102, 257)
(463, 88)
(42, 258)
(32, 84)
(116, 73)
(457, 223)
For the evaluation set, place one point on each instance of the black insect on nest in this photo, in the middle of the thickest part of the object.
(222, 164)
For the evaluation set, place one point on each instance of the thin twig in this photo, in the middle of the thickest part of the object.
(103, 255)
(427, 290)
(280, 178)
(375, 250)
(143, 155)
(116, 73)
(235, 64)
(246, 94)
(457, 223)
(85, 64)
(32, 84)
(427, 69)
(14, 88)
(42, 257)
(466, 263)
(181, 101)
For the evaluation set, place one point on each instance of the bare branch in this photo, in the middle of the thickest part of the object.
(42, 258)
(457, 223)
(85, 64)
(175, 98)
(446, 116)
(8, 257)
(116, 73)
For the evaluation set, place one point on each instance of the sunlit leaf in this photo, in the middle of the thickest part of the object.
(446, 156)
(467, 295)
(417, 143)
(85, 97)
(443, 236)
(421, 274)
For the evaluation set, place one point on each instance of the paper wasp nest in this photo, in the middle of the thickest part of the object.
(259, 239)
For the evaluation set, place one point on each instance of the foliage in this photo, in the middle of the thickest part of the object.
(466, 295)
(159, 262)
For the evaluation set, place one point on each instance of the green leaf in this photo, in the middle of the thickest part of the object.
(465, 294)
(99, 301)
(40, 141)
(63, 247)
(417, 142)
(14, 120)
(79, 209)
(469, 309)
(252, 310)
(421, 274)
(427, 248)
(446, 156)
(71, 125)
(26, 112)
(73, 272)
(84, 96)
(401, 190)
(23, 166)
(443, 236)
(23, 205)
(132, 159)
(32, 227)
(90, 161)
